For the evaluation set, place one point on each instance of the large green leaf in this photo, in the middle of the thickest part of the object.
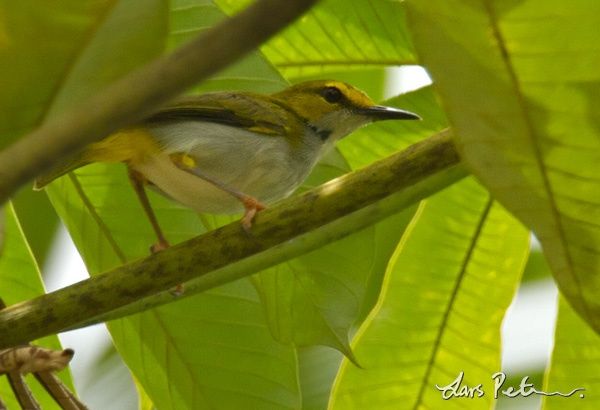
(575, 363)
(190, 17)
(39, 42)
(447, 288)
(213, 350)
(339, 35)
(318, 366)
(324, 44)
(521, 85)
(20, 280)
(318, 297)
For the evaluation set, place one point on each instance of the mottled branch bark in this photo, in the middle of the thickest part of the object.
(331, 211)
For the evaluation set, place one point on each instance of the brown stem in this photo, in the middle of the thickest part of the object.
(21, 391)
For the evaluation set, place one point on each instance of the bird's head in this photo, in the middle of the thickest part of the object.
(334, 109)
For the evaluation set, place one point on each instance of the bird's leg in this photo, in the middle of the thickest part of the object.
(251, 204)
(59, 392)
(137, 180)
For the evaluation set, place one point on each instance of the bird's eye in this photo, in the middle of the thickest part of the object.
(332, 94)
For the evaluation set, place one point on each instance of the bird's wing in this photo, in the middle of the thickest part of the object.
(253, 112)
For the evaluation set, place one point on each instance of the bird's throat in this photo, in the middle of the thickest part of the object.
(322, 133)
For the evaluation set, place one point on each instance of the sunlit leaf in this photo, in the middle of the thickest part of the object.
(446, 291)
(575, 363)
(318, 368)
(318, 297)
(188, 18)
(212, 350)
(520, 83)
(340, 34)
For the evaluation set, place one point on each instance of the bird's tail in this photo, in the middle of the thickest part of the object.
(131, 146)
(58, 171)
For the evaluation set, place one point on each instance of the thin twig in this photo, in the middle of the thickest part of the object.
(134, 96)
(59, 392)
(22, 392)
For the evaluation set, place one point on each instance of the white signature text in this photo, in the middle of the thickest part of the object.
(525, 388)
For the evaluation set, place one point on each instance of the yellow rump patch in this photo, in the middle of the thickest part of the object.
(130, 145)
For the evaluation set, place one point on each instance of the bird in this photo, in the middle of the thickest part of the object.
(231, 151)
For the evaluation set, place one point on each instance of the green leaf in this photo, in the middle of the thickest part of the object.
(521, 86)
(38, 221)
(318, 368)
(318, 297)
(340, 35)
(575, 363)
(212, 350)
(447, 288)
(39, 43)
(188, 18)
(537, 267)
(20, 280)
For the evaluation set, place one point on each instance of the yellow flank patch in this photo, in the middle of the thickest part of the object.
(182, 160)
(131, 145)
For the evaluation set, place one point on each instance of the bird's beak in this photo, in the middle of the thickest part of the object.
(380, 112)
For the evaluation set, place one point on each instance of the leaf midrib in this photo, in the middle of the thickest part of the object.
(453, 296)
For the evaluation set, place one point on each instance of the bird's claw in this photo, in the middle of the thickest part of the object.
(161, 245)
(252, 206)
(178, 290)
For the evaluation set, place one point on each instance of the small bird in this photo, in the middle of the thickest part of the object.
(224, 152)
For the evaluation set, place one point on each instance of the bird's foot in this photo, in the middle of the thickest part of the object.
(161, 245)
(178, 290)
(252, 206)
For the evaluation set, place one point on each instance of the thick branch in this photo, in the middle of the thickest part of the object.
(339, 207)
(137, 94)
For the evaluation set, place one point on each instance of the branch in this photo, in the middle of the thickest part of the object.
(139, 93)
(339, 207)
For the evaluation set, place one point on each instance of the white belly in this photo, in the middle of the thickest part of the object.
(265, 167)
